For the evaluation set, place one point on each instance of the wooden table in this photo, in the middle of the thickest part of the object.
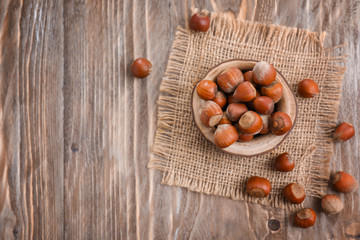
(76, 128)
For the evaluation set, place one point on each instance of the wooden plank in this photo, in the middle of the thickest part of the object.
(31, 114)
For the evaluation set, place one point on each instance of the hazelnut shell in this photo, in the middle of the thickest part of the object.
(225, 135)
(258, 187)
(294, 193)
(305, 218)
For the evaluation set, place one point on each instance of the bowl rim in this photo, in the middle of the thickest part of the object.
(233, 153)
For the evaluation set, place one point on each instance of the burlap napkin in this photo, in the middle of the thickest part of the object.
(188, 160)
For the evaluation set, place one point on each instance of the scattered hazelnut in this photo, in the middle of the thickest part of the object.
(225, 135)
(235, 110)
(245, 92)
(332, 204)
(344, 182)
(230, 79)
(141, 67)
(305, 218)
(294, 193)
(248, 78)
(263, 73)
(344, 132)
(199, 22)
(224, 120)
(280, 123)
(273, 91)
(220, 99)
(307, 88)
(266, 124)
(258, 187)
(210, 113)
(250, 123)
(243, 137)
(284, 162)
(264, 105)
(231, 99)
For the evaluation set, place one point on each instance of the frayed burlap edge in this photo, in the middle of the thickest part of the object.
(225, 26)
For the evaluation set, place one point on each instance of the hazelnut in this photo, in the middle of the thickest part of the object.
(224, 120)
(280, 123)
(344, 182)
(210, 113)
(230, 79)
(307, 88)
(332, 204)
(141, 67)
(344, 132)
(264, 105)
(243, 137)
(220, 99)
(266, 124)
(225, 135)
(250, 123)
(258, 187)
(273, 91)
(284, 162)
(231, 99)
(305, 218)
(235, 110)
(250, 104)
(245, 92)
(263, 73)
(294, 193)
(248, 78)
(206, 89)
(199, 22)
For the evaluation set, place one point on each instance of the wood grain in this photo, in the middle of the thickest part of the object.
(76, 128)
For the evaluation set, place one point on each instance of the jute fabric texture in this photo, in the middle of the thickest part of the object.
(188, 160)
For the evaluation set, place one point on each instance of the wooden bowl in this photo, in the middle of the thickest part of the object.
(261, 143)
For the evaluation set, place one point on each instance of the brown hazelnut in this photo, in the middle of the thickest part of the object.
(305, 218)
(248, 78)
(245, 92)
(230, 79)
(307, 88)
(235, 110)
(225, 135)
(266, 124)
(250, 123)
(141, 67)
(273, 91)
(210, 113)
(294, 193)
(332, 204)
(231, 99)
(206, 89)
(258, 187)
(220, 99)
(224, 120)
(344, 182)
(263, 73)
(264, 105)
(284, 162)
(280, 123)
(344, 132)
(199, 22)
(250, 104)
(243, 137)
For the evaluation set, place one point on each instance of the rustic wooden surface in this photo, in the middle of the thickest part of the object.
(76, 128)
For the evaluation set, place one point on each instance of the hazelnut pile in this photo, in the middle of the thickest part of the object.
(240, 106)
